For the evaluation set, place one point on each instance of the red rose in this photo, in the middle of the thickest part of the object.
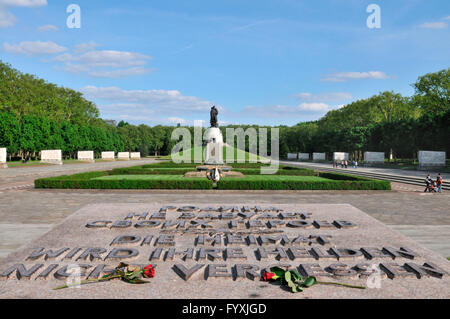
(149, 271)
(268, 276)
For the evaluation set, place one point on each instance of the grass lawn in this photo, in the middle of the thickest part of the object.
(16, 164)
(233, 157)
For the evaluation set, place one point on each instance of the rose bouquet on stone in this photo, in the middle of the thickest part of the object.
(125, 272)
(293, 280)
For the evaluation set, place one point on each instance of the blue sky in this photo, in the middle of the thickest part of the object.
(262, 62)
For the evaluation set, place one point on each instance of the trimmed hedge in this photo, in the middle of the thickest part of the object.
(171, 178)
(91, 182)
(299, 184)
(282, 171)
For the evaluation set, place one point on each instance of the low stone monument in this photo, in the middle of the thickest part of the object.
(135, 156)
(3, 158)
(374, 157)
(340, 156)
(86, 156)
(319, 156)
(52, 157)
(214, 141)
(292, 156)
(430, 159)
(303, 156)
(108, 156)
(123, 156)
(222, 250)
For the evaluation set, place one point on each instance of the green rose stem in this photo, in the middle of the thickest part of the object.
(339, 284)
(89, 281)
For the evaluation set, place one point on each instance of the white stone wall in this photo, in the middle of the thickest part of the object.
(87, 156)
(340, 156)
(292, 156)
(108, 156)
(319, 156)
(51, 156)
(136, 155)
(303, 156)
(374, 157)
(430, 158)
(123, 156)
(2, 155)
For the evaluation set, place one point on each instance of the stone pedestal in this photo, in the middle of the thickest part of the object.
(319, 156)
(430, 159)
(108, 156)
(135, 156)
(214, 146)
(340, 156)
(52, 157)
(374, 157)
(86, 156)
(214, 153)
(3, 158)
(123, 156)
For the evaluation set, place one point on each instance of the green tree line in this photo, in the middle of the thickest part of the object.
(36, 115)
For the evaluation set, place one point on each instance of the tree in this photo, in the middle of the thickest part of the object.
(433, 92)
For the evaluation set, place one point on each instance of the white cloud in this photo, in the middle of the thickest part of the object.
(345, 76)
(176, 120)
(171, 102)
(314, 107)
(104, 63)
(434, 25)
(48, 27)
(284, 111)
(111, 58)
(447, 18)
(324, 97)
(34, 48)
(120, 73)
(7, 19)
(83, 47)
(23, 3)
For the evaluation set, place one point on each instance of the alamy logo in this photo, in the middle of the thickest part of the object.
(374, 280)
(374, 20)
(74, 280)
(74, 19)
(183, 151)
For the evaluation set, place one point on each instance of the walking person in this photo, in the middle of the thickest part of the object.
(439, 182)
(428, 182)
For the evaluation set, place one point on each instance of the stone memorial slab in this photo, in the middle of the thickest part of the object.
(319, 156)
(374, 157)
(86, 156)
(108, 156)
(135, 156)
(303, 156)
(292, 155)
(340, 156)
(221, 251)
(52, 157)
(3, 158)
(429, 159)
(123, 156)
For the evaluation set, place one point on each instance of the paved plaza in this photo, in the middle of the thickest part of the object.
(26, 214)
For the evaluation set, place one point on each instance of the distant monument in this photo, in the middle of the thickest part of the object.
(214, 141)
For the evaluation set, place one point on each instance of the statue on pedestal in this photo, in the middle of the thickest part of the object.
(214, 114)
